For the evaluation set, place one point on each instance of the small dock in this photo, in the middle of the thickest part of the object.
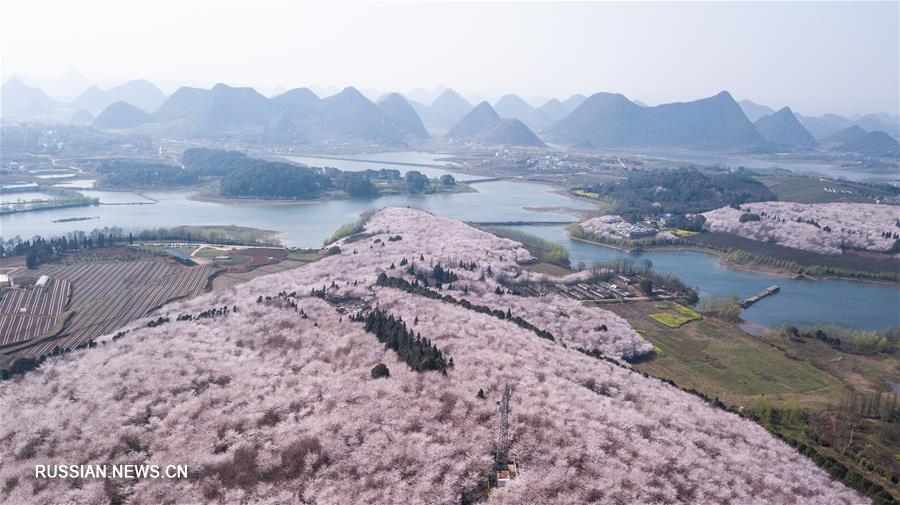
(771, 290)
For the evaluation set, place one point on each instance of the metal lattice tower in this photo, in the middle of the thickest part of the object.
(503, 433)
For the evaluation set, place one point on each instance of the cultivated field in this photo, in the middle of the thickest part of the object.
(678, 315)
(106, 296)
(30, 313)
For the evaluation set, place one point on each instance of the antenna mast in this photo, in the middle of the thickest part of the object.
(503, 434)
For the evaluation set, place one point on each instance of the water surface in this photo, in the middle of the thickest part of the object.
(800, 301)
(300, 224)
(845, 303)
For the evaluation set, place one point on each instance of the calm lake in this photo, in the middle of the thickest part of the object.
(852, 304)
(847, 303)
(299, 224)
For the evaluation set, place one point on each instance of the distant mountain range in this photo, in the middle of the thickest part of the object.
(511, 106)
(611, 120)
(848, 134)
(225, 108)
(121, 115)
(446, 110)
(140, 93)
(875, 143)
(854, 139)
(21, 101)
(421, 95)
(880, 122)
(300, 116)
(555, 110)
(398, 111)
(18, 98)
(511, 132)
(349, 113)
(538, 118)
(783, 130)
(754, 111)
(63, 88)
(827, 124)
(295, 116)
(483, 124)
(477, 121)
(449, 108)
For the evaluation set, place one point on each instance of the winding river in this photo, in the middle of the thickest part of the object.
(853, 304)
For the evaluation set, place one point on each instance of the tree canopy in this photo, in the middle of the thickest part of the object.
(131, 174)
(276, 180)
(416, 182)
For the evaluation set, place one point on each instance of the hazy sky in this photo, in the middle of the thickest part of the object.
(816, 57)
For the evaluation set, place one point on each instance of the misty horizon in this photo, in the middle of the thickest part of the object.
(421, 95)
(772, 54)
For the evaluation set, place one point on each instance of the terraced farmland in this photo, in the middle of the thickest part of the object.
(107, 296)
(30, 313)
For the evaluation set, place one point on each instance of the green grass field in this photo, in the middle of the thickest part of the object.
(797, 388)
(670, 320)
(303, 256)
(586, 194)
(544, 250)
(682, 315)
(679, 308)
(715, 357)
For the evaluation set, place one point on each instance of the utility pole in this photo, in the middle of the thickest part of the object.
(503, 432)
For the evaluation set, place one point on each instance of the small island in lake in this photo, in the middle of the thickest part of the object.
(234, 175)
(72, 219)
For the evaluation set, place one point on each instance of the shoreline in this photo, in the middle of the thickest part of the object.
(723, 260)
(199, 196)
(55, 207)
(210, 198)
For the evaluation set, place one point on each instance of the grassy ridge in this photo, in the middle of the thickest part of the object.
(541, 249)
(345, 230)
